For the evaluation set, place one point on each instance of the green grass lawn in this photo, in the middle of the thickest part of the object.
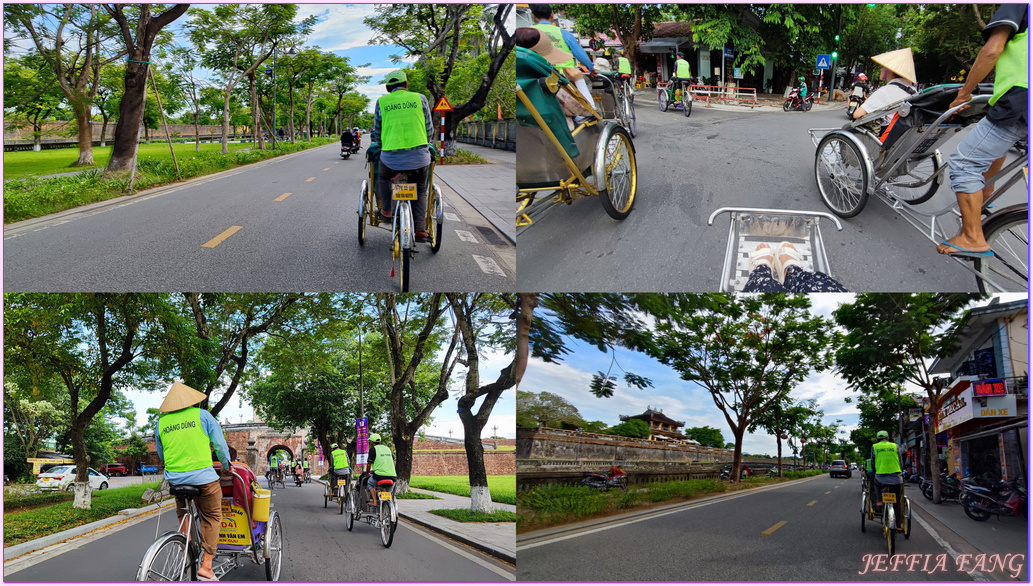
(413, 495)
(26, 525)
(21, 164)
(503, 488)
(465, 516)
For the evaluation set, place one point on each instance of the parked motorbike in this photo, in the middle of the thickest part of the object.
(1008, 499)
(855, 102)
(793, 102)
(950, 487)
(606, 480)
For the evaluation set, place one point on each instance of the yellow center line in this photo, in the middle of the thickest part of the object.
(309, 179)
(828, 492)
(282, 197)
(218, 239)
(327, 169)
(774, 528)
(812, 503)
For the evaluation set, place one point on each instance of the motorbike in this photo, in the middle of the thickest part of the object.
(1008, 499)
(855, 102)
(298, 477)
(793, 102)
(726, 473)
(346, 151)
(605, 480)
(950, 487)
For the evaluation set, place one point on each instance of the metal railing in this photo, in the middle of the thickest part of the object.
(715, 92)
(496, 134)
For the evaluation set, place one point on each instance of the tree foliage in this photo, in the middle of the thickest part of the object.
(630, 428)
(707, 436)
(539, 409)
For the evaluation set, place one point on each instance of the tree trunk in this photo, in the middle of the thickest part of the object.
(290, 112)
(737, 433)
(480, 496)
(82, 464)
(82, 120)
(103, 129)
(403, 462)
(934, 461)
(226, 123)
(130, 115)
(308, 114)
(778, 440)
(253, 92)
(197, 132)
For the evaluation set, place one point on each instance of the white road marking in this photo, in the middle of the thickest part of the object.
(489, 266)
(466, 554)
(451, 217)
(466, 236)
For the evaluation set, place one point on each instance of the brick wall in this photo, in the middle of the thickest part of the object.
(454, 463)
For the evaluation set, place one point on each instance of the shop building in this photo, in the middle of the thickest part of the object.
(982, 417)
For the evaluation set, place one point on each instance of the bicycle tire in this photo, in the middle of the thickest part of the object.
(661, 97)
(436, 221)
(620, 184)
(362, 214)
(274, 536)
(915, 196)
(864, 509)
(349, 522)
(630, 121)
(889, 528)
(166, 560)
(1007, 233)
(841, 175)
(387, 528)
(906, 508)
(686, 102)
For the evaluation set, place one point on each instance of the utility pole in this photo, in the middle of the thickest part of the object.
(835, 56)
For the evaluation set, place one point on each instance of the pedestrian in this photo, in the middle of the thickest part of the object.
(898, 71)
(564, 41)
(183, 437)
(981, 154)
(780, 272)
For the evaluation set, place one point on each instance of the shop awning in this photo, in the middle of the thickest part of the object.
(663, 45)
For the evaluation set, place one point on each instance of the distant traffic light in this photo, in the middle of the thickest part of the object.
(837, 38)
(835, 55)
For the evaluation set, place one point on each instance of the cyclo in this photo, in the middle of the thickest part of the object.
(667, 96)
(274, 475)
(613, 100)
(401, 226)
(250, 531)
(336, 489)
(383, 516)
(904, 168)
(877, 505)
(596, 148)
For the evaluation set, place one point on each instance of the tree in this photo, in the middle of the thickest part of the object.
(95, 344)
(185, 64)
(891, 339)
(946, 38)
(234, 39)
(630, 428)
(442, 35)
(706, 436)
(629, 23)
(139, 39)
(538, 409)
(32, 93)
(29, 417)
(132, 448)
(72, 39)
(747, 353)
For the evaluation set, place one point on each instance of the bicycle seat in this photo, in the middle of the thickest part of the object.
(185, 491)
(385, 482)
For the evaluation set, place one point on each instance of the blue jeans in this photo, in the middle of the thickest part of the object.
(983, 145)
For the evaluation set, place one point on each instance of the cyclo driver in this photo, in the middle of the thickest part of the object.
(886, 458)
(682, 73)
(339, 467)
(623, 68)
(382, 465)
(403, 126)
(184, 436)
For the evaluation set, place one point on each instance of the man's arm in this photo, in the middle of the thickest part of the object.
(985, 62)
(375, 135)
(157, 441)
(428, 116)
(576, 50)
(214, 430)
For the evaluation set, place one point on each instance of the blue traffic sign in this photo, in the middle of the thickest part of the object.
(823, 62)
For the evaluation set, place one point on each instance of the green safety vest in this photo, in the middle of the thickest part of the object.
(339, 456)
(273, 462)
(185, 445)
(1012, 66)
(402, 123)
(623, 65)
(868, 465)
(384, 464)
(304, 464)
(887, 460)
(682, 70)
(555, 35)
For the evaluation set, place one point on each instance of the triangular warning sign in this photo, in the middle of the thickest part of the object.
(443, 105)
(822, 64)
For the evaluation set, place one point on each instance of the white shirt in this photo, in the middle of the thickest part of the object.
(883, 97)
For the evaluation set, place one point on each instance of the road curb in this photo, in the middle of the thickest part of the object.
(16, 551)
(498, 228)
(482, 547)
(16, 227)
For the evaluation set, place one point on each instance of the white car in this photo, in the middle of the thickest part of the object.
(62, 477)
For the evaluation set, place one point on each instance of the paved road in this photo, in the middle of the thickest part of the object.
(689, 167)
(808, 530)
(317, 548)
(297, 232)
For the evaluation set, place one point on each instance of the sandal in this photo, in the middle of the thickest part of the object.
(762, 256)
(794, 260)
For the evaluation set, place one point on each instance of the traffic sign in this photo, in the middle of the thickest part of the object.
(443, 105)
(823, 62)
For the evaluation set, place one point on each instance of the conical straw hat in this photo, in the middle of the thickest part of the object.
(180, 397)
(900, 62)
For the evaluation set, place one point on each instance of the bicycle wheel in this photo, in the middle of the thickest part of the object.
(349, 521)
(686, 102)
(403, 253)
(629, 121)
(620, 174)
(864, 508)
(912, 172)
(889, 528)
(905, 508)
(326, 497)
(166, 561)
(387, 528)
(436, 221)
(340, 504)
(274, 543)
(841, 175)
(362, 212)
(1007, 233)
(661, 96)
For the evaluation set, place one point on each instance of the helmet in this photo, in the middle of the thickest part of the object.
(374, 437)
(801, 78)
(333, 446)
(882, 435)
(862, 77)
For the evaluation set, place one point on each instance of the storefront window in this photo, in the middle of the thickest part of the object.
(981, 458)
(1014, 462)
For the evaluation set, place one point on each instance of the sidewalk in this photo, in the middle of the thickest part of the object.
(496, 539)
(488, 188)
(1008, 535)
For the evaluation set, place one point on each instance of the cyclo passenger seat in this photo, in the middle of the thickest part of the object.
(928, 105)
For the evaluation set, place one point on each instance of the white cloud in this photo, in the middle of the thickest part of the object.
(340, 26)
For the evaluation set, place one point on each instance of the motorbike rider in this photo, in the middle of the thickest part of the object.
(403, 127)
(860, 89)
(347, 139)
(802, 90)
(379, 466)
(184, 436)
(339, 467)
(886, 459)
(682, 73)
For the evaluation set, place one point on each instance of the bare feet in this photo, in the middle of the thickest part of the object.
(961, 244)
